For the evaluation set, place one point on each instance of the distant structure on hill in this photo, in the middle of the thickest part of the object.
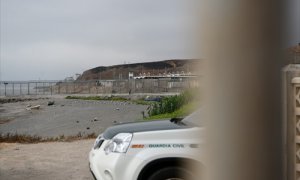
(183, 68)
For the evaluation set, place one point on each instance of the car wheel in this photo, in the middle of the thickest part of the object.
(171, 173)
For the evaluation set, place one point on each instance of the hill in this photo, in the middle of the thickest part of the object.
(187, 66)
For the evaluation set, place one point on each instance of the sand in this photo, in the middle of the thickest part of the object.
(46, 161)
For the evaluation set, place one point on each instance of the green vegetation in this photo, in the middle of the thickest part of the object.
(142, 102)
(98, 98)
(169, 107)
(112, 98)
(181, 112)
(175, 106)
(26, 139)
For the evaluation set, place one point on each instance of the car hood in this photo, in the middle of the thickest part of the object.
(110, 132)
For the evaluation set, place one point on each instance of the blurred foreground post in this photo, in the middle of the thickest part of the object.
(240, 42)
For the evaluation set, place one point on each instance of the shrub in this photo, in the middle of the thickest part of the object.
(173, 103)
(98, 98)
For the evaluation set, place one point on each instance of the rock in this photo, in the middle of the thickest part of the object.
(117, 109)
(88, 128)
(95, 119)
(77, 121)
(50, 103)
(34, 107)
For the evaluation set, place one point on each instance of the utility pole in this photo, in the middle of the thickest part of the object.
(0, 47)
(114, 73)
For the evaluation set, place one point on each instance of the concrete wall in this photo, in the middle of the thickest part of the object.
(291, 121)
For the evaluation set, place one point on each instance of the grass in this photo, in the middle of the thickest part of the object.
(170, 107)
(142, 102)
(98, 98)
(107, 98)
(181, 112)
(27, 139)
(175, 106)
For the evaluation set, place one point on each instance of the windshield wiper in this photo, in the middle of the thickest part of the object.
(177, 121)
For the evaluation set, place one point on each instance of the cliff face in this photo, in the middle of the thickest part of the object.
(148, 68)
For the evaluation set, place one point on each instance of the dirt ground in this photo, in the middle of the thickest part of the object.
(45, 161)
(66, 117)
(57, 160)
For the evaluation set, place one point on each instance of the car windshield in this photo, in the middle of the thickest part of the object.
(194, 119)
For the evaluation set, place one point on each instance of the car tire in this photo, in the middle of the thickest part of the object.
(171, 173)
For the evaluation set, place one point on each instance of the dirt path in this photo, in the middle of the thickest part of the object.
(45, 161)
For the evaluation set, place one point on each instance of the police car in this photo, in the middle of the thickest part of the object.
(155, 150)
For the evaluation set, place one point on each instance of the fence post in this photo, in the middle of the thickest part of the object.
(13, 87)
(58, 88)
(67, 85)
(20, 89)
(134, 85)
(5, 84)
(50, 88)
(158, 84)
(28, 88)
(74, 87)
(143, 85)
(43, 87)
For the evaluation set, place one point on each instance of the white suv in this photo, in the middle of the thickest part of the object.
(155, 150)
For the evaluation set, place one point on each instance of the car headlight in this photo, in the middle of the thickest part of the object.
(119, 143)
(98, 142)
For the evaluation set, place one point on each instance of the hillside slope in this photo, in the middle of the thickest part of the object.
(150, 68)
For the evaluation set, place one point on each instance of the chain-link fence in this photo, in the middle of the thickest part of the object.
(17, 88)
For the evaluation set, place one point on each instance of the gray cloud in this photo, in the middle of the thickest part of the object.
(52, 39)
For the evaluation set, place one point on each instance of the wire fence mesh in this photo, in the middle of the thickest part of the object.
(19, 88)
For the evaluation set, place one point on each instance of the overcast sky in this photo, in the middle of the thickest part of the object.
(53, 39)
(292, 26)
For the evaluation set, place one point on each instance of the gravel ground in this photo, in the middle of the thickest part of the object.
(57, 160)
(46, 161)
(66, 117)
